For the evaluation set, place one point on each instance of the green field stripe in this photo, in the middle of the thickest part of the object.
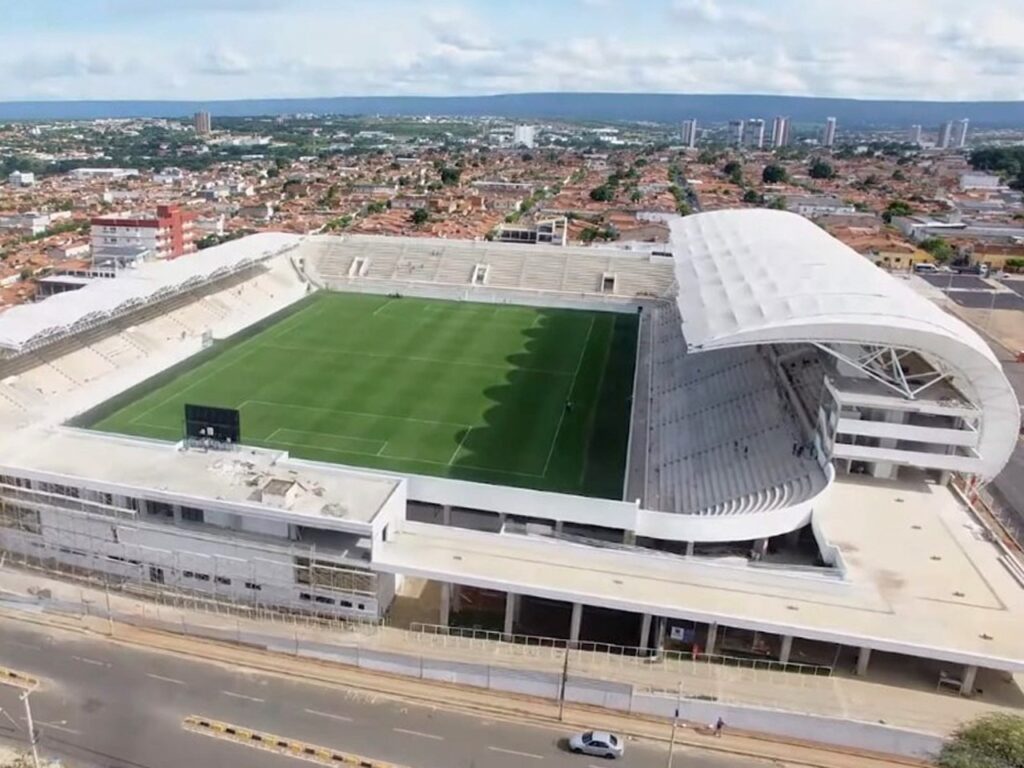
(315, 439)
(351, 413)
(572, 391)
(406, 459)
(466, 390)
(414, 358)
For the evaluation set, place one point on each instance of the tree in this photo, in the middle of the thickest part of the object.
(992, 741)
(602, 194)
(732, 167)
(751, 196)
(778, 203)
(896, 208)
(636, 196)
(419, 217)
(821, 170)
(774, 174)
(450, 176)
(940, 250)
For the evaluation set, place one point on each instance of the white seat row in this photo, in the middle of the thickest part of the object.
(722, 440)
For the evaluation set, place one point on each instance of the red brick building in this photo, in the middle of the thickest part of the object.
(167, 235)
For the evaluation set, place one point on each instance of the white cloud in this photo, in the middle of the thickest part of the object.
(223, 61)
(919, 49)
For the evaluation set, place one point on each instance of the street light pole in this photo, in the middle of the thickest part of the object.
(675, 723)
(31, 728)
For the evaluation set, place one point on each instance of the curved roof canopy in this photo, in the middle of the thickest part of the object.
(28, 323)
(760, 277)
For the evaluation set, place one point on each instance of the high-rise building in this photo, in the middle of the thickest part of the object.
(780, 132)
(736, 132)
(960, 128)
(202, 123)
(689, 133)
(945, 135)
(915, 134)
(753, 133)
(167, 235)
(829, 139)
(524, 136)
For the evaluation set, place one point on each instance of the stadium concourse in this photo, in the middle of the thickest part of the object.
(747, 448)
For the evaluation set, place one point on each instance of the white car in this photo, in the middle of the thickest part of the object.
(596, 743)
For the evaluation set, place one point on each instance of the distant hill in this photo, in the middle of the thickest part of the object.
(663, 108)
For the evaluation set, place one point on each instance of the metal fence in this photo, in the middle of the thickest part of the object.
(584, 652)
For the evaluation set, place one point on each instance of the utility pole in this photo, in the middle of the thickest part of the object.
(565, 679)
(675, 724)
(31, 728)
(110, 616)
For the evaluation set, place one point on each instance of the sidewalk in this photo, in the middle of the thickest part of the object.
(509, 707)
(842, 697)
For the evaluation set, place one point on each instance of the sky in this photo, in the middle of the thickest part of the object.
(230, 49)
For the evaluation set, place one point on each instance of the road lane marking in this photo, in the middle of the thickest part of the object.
(94, 662)
(280, 745)
(242, 696)
(421, 734)
(328, 714)
(165, 679)
(517, 753)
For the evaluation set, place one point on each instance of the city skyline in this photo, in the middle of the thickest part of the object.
(103, 49)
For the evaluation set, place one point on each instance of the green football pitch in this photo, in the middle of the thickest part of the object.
(493, 393)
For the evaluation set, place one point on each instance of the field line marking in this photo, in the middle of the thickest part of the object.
(378, 309)
(412, 459)
(179, 392)
(352, 413)
(415, 358)
(459, 446)
(572, 386)
(383, 448)
(338, 435)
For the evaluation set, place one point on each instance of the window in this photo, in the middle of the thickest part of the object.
(253, 585)
(325, 600)
(159, 509)
(192, 515)
(305, 596)
(224, 580)
(156, 575)
(187, 574)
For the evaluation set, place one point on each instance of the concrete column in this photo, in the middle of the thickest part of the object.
(629, 538)
(945, 477)
(967, 686)
(787, 649)
(863, 658)
(689, 549)
(760, 549)
(575, 622)
(446, 603)
(559, 524)
(645, 631)
(446, 515)
(511, 609)
(501, 521)
(709, 646)
(659, 641)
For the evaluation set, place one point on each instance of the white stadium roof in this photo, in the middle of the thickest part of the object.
(65, 312)
(750, 277)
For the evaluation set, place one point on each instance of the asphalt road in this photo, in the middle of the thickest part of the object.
(101, 704)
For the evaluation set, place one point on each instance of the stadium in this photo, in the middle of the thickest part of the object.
(756, 444)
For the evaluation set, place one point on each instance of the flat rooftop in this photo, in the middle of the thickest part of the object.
(922, 577)
(257, 478)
